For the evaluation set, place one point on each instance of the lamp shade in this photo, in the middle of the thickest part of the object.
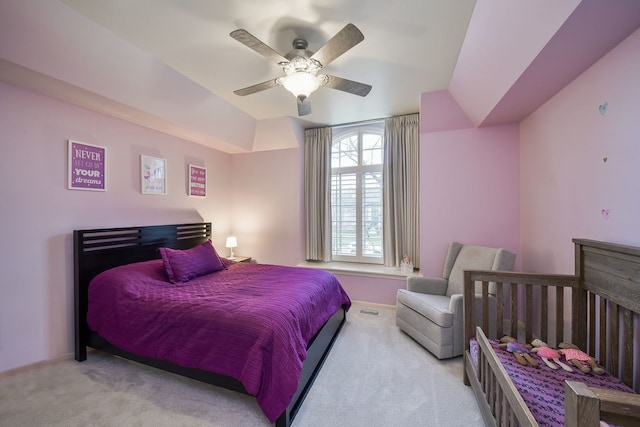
(301, 83)
(232, 242)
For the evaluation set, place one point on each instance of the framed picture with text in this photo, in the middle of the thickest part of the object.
(86, 166)
(197, 181)
(153, 173)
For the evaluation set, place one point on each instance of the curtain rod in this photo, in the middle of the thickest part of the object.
(364, 122)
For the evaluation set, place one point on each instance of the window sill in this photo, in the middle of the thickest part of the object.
(356, 269)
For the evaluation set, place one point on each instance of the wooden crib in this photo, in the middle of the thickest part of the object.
(598, 311)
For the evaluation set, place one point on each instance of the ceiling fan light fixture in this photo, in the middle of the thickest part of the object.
(301, 67)
(300, 83)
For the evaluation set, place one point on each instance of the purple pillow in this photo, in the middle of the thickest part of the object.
(184, 265)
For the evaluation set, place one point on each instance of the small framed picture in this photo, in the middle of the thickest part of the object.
(197, 181)
(153, 172)
(86, 166)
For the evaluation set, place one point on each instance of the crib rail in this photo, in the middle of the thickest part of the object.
(502, 404)
(586, 406)
(527, 305)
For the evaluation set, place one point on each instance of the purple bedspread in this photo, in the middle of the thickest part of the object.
(543, 388)
(251, 322)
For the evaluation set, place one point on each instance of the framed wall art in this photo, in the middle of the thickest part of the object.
(197, 181)
(86, 166)
(153, 172)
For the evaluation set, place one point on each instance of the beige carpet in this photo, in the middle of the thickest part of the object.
(374, 376)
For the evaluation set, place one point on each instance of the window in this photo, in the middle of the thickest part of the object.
(356, 193)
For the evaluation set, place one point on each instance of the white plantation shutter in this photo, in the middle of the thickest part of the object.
(372, 214)
(356, 193)
(343, 213)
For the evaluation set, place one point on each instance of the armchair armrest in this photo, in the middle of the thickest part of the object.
(427, 285)
(456, 304)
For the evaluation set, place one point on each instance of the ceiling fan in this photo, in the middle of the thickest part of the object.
(301, 67)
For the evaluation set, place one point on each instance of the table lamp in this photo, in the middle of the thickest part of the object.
(232, 242)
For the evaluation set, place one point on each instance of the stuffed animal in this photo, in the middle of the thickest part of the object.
(520, 351)
(521, 354)
(507, 339)
(576, 356)
(545, 352)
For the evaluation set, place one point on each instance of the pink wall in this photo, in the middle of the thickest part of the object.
(267, 206)
(566, 182)
(372, 289)
(39, 214)
(469, 185)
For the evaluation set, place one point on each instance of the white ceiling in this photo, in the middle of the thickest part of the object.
(171, 65)
(410, 47)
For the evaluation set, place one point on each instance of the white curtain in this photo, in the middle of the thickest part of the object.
(401, 190)
(317, 196)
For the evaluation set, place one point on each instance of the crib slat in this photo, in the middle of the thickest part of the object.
(544, 314)
(499, 404)
(485, 306)
(591, 347)
(528, 313)
(627, 352)
(499, 310)
(494, 399)
(469, 309)
(559, 314)
(614, 336)
(514, 310)
(603, 332)
(505, 410)
(485, 373)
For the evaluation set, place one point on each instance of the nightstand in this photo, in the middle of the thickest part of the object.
(240, 258)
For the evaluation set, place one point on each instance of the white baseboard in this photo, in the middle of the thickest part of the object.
(36, 365)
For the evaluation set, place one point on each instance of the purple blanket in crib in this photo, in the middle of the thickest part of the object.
(543, 388)
(251, 322)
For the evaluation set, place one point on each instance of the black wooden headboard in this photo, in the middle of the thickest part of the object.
(98, 250)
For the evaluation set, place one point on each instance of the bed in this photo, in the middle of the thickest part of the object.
(257, 329)
(599, 305)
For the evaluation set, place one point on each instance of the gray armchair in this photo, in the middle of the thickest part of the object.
(430, 310)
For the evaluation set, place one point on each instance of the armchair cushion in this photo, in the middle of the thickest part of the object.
(434, 307)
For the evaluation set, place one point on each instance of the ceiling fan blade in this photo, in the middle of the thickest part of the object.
(346, 38)
(345, 85)
(249, 40)
(256, 88)
(304, 107)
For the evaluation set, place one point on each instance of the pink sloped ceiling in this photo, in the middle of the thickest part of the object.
(440, 112)
(517, 55)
